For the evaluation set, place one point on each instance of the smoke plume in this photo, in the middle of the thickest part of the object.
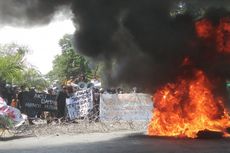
(142, 42)
(29, 12)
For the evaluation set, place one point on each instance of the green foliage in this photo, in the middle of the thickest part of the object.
(13, 68)
(6, 122)
(69, 63)
(33, 78)
(11, 62)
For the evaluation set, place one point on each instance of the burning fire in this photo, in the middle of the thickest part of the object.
(223, 35)
(220, 33)
(204, 28)
(186, 107)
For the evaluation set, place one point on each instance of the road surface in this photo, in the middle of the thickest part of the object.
(115, 142)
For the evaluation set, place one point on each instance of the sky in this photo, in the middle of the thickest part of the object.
(41, 41)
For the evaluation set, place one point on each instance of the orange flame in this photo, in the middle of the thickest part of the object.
(204, 28)
(223, 35)
(219, 34)
(184, 108)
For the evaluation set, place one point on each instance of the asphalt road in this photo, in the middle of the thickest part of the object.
(116, 142)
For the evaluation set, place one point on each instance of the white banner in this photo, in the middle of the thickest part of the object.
(80, 104)
(128, 107)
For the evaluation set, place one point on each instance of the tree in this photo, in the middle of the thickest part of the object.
(69, 63)
(33, 78)
(13, 68)
(11, 62)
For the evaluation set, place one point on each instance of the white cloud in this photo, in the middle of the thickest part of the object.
(43, 41)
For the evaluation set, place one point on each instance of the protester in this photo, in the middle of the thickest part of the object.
(82, 78)
(96, 82)
(96, 104)
(13, 103)
(70, 91)
(51, 115)
(31, 112)
(72, 81)
(61, 98)
(8, 94)
(21, 95)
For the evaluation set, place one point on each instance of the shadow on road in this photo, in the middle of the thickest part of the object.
(14, 138)
(132, 143)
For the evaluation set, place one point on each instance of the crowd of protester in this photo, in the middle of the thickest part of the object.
(14, 97)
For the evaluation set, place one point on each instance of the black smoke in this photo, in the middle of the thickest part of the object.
(142, 42)
(139, 38)
(29, 12)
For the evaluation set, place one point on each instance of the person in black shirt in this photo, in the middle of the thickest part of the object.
(61, 99)
(21, 103)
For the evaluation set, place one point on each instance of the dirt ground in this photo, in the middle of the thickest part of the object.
(78, 127)
(41, 128)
